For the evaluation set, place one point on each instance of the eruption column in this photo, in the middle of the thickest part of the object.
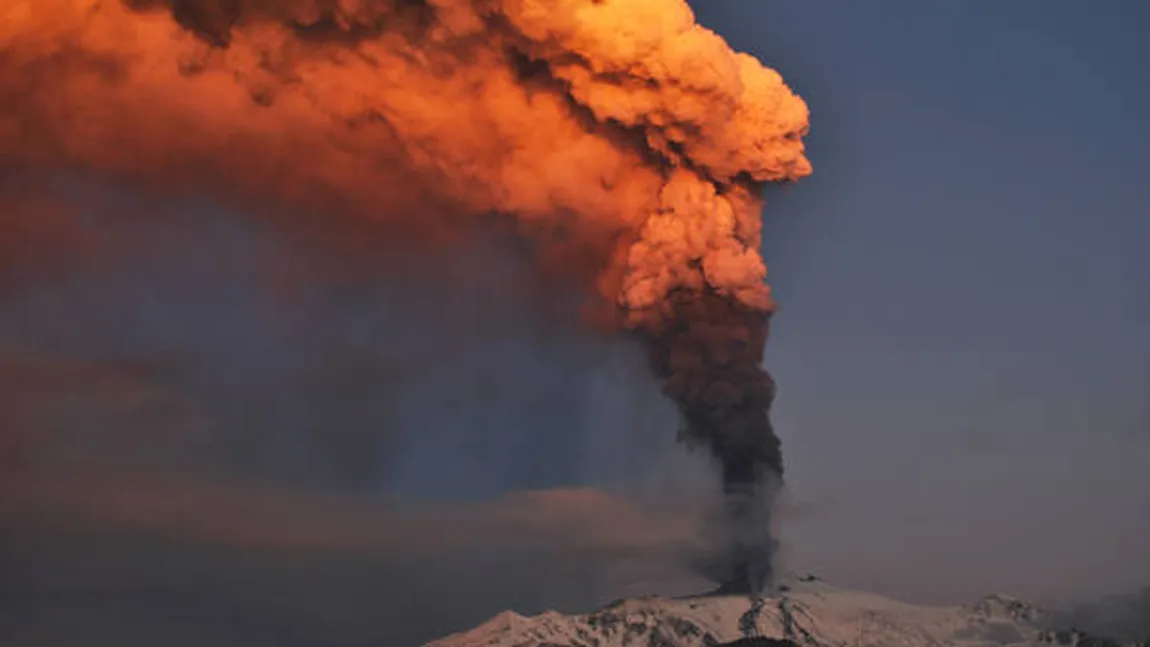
(629, 141)
(706, 344)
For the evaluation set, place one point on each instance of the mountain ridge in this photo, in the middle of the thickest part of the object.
(803, 611)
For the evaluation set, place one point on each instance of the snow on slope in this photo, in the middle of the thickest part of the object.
(808, 612)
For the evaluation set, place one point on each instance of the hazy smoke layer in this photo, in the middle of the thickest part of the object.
(625, 140)
(258, 450)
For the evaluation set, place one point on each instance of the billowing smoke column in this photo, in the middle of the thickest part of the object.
(625, 139)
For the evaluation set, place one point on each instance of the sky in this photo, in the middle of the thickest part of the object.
(962, 353)
(963, 349)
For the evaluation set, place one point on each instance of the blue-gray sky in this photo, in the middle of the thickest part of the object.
(963, 355)
(963, 350)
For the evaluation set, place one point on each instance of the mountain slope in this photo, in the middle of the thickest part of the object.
(807, 611)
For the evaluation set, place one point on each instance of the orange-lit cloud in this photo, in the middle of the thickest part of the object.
(592, 122)
(627, 142)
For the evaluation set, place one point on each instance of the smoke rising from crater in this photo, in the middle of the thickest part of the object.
(626, 141)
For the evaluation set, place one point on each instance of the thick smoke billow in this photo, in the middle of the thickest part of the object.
(625, 140)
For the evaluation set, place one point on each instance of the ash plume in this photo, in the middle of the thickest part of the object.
(625, 140)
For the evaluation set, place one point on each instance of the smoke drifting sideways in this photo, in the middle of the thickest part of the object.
(232, 451)
(625, 141)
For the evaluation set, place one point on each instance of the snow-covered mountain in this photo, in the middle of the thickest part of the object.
(805, 611)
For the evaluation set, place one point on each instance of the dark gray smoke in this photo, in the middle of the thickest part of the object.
(710, 356)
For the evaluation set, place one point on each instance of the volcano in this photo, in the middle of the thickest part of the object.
(804, 611)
